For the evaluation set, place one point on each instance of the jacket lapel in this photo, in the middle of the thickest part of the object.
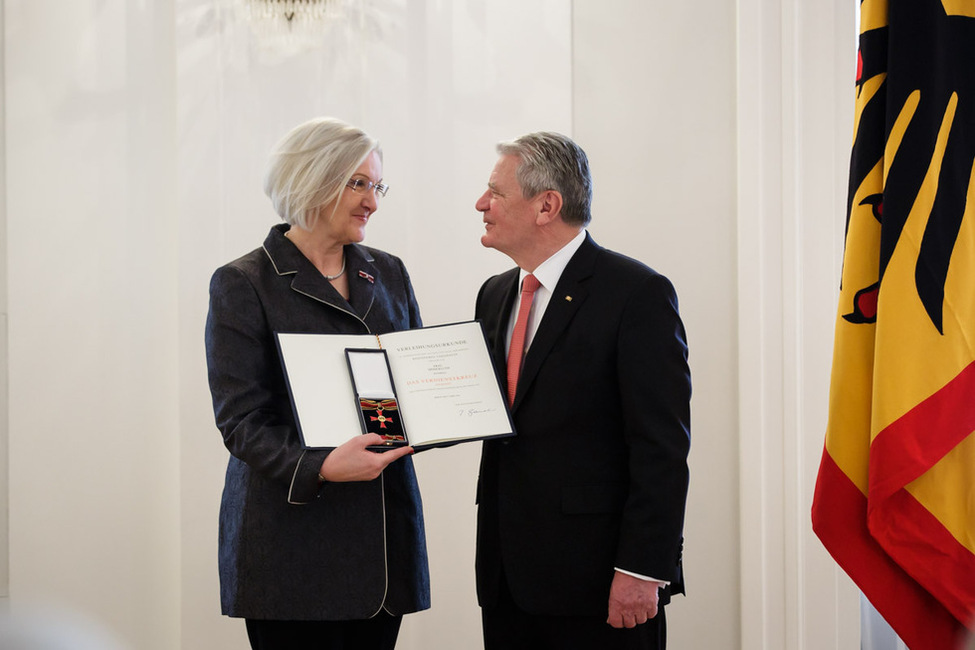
(495, 312)
(363, 278)
(568, 296)
(308, 281)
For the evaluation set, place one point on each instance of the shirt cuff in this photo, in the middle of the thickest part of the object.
(641, 577)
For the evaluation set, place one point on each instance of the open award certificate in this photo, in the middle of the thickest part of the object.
(427, 387)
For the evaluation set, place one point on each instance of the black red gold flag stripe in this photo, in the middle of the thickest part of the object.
(895, 496)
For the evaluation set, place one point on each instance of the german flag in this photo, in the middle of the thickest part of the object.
(895, 496)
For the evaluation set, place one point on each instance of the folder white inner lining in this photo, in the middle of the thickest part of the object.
(371, 374)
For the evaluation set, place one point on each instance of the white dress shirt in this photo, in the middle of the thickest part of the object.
(547, 274)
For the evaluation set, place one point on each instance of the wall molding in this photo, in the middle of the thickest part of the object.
(795, 103)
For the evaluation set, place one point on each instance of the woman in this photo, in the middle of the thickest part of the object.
(318, 548)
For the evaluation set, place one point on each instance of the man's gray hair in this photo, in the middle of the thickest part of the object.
(310, 166)
(552, 161)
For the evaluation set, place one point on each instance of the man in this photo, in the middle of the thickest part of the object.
(580, 516)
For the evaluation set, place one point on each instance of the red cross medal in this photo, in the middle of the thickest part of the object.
(379, 418)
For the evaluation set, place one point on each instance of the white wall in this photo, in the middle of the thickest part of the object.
(795, 72)
(654, 107)
(92, 290)
(135, 141)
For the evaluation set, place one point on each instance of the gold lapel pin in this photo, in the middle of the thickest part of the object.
(568, 298)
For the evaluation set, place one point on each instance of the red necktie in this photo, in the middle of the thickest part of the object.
(516, 350)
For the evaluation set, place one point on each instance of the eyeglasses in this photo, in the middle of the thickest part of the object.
(361, 186)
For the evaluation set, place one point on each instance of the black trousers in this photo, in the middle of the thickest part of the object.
(508, 627)
(376, 633)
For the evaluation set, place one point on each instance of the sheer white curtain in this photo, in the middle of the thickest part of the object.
(438, 83)
(136, 138)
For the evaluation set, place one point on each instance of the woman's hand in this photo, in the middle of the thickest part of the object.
(351, 461)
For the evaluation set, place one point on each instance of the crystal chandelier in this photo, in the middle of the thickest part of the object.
(292, 12)
(293, 24)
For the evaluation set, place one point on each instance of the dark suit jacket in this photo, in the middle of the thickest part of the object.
(597, 476)
(290, 549)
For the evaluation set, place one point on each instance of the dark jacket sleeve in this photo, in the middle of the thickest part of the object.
(250, 398)
(655, 390)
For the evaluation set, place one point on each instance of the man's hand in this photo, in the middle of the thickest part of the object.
(351, 461)
(632, 601)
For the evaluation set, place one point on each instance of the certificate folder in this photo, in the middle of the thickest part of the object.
(440, 379)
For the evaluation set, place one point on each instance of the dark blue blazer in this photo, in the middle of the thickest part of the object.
(290, 548)
(597, 476)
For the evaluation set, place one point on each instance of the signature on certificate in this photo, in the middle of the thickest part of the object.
(472, 412)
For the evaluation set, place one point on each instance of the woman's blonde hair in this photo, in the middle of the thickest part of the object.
(309, 167)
